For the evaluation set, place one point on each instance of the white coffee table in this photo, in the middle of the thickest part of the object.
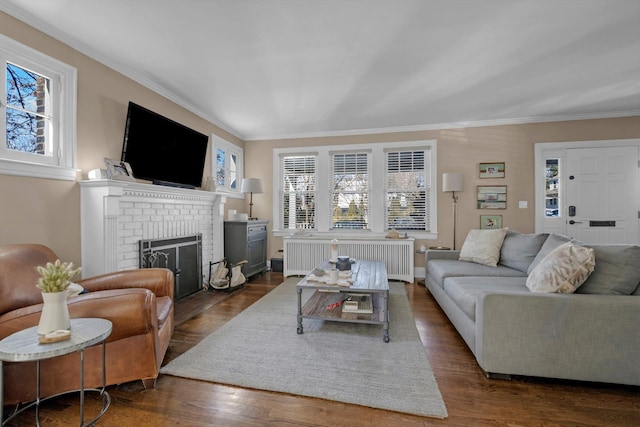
(23, 346)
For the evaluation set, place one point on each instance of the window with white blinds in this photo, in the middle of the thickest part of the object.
(406, 187)
(298, 178)
(350, 190)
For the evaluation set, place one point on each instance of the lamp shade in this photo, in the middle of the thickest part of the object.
(251, 185)
(452, 182)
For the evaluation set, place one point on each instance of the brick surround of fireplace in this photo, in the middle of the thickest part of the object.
(116, 215)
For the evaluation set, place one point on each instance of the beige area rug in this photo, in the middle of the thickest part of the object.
(344, 362)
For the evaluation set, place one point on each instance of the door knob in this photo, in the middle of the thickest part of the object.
(575, 222)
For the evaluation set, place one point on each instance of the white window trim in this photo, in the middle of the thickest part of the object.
(65, 136)
(376, 188)
(218, 142)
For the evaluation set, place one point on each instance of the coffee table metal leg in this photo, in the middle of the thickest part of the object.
(386, 316)
(300, 329)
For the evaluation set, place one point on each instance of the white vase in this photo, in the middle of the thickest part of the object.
(55, 313)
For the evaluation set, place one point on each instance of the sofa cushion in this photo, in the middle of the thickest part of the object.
(552, 242)
(483, 246)
(617, 270)
(519, 250)
(563, 270)
(440, 269)
(464, 291)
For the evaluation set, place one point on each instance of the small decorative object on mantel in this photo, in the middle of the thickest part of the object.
(54, 280)
(119, 170)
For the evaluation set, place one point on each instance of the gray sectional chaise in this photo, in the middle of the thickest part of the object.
(590, 335)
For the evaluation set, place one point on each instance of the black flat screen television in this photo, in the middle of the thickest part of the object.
(161, 150)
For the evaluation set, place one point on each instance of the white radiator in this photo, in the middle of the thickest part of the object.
(301, 255)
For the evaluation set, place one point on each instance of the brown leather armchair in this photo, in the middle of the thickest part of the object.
(139, 303)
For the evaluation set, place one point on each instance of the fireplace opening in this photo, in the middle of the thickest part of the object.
(182, 255)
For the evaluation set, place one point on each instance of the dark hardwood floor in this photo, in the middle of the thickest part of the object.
(471, 399)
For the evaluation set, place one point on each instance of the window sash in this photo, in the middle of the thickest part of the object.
(407, 198)
(54, 157)
(349, 206)
(297, 191)
(227, 168)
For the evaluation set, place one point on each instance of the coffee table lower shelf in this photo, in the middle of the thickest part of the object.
(316, 308)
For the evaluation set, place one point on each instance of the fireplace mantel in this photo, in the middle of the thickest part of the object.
(116, 215)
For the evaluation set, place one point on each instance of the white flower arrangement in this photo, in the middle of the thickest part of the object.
(56, 277)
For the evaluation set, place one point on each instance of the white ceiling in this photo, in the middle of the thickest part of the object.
(268, 68)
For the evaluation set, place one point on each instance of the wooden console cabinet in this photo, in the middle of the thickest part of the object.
(246, 240)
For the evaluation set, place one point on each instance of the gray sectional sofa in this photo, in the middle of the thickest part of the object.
(590, 335)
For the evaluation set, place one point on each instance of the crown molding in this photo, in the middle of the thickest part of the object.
(454, 125)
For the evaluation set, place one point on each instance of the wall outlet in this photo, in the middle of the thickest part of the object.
(522, 204)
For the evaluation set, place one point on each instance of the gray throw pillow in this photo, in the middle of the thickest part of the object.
(617, 270)
(552, 242)
(519, 250)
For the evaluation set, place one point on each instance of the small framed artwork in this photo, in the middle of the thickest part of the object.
(492, 170)
(118, 170)
(492, 197)
(488, 222)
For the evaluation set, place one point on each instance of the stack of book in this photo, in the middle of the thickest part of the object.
(358, 303)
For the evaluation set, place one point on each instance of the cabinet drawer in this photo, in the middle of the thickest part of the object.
(256, 229)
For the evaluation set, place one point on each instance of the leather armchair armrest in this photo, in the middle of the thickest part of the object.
(158, 280)
(132, 312)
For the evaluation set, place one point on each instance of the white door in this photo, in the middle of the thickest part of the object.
(602, 194)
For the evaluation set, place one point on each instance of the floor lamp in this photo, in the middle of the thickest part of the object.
(452, 182)
(251, 185)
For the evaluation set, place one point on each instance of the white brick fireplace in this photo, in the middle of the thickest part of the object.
(116, 215)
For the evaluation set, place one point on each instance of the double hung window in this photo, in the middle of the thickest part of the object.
(406, 197)
(297, 193)
(350, 190)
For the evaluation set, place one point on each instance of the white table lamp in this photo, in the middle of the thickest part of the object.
(251, 185)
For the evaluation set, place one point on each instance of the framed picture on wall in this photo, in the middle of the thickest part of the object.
(488, 222)
(118, 170)
(492, 197)
(492, 170)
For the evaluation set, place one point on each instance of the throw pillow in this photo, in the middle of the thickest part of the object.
(617, 270)
(552, 242)
(563, 270)
(74, 289)
(519, 250)
(483, 246)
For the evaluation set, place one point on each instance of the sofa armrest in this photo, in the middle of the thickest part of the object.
(585, 337)
(132, 312)
(158, 280)
(430, 254)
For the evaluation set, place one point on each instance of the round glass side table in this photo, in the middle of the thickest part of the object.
(23, 346)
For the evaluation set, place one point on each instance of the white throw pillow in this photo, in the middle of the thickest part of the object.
(563, 270)
(74, 289)
(483, 246)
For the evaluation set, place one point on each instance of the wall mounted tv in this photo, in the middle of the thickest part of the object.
(162, 150)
